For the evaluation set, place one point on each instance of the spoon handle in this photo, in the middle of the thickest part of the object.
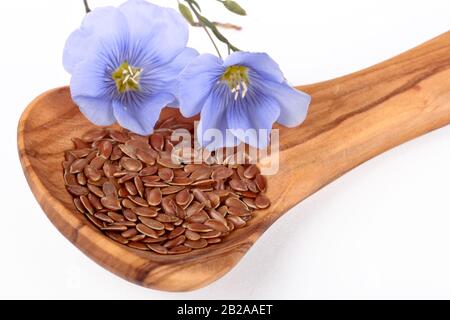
(358, 116)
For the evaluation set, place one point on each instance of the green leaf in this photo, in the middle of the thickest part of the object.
(234, 7)
(195, 4)
(186, 12)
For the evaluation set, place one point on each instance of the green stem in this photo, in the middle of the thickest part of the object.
(86, 6)
(203, 26)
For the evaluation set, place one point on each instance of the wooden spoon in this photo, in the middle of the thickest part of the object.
(351, 120)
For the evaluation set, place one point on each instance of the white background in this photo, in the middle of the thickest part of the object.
(381, 231)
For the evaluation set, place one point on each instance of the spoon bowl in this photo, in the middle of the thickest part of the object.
(351, 119)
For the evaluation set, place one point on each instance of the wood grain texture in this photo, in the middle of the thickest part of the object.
(351, 120)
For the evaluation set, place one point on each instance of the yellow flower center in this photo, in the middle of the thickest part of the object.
(127, 77)
(237, 79)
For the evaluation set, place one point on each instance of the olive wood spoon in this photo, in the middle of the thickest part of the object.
(351, 119)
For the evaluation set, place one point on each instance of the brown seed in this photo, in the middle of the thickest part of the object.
(149, 232)
(131, 164)
(109, 169)
(199, 217)
(178, 231)
(114, 228)
(153, 196)
(201, 173)
(217, 216)
(151, 179)
(109, 189)
(105, 149)
(138, 237)
(238, 211)
(179, 250)
(248, 194)
(235, 202)
(131, 188)
(260, 182)
(95, 202)
(148, 171)
(166, 218)
(81, 178)
(171, 190)
(130, 151)
(129, 215)
(156, 225)
(214, 199)
(145, 156)
(146, 211)
(157, 141)
(116, 216)
(237, 221)
(137, 245)
(262, 202)
(169, 206)
(98, 223)
(194, 207)
(221, 173)
(116, 153)
(250, 203)
(97, 162)
(166, 174)
(111, 203)
(117, 237)
(139, 186)
(78, 205)
(126, 177)
(127, 203)
(216, 225)
(124, 223)
(251, 171)
(198, 227)
(103, 217)
(118, 136)
(191, 235)
(214, 240)
(157, 248)
(78, 190)
(238, 185)
(78, 165)
(96, 190)
(196, 244)
(168, 226)
(98, 183)
(139, 201)
(168, 163)
(211, 234)
(201, 197)
(93, 135)
(182, 197)
(156, 184)
(175, 242)
(155, 240)
(223, 210)
(177, 181)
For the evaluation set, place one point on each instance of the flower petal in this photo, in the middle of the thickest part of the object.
(196, 82)
(89, 90)
(293, 103)
(103, 27)
(157, 33)
(140, 117)
(213, 125)
(261, 63)
(163, 77)
(246, 117)
(97, 110)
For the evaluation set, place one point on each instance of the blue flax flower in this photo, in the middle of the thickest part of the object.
(124, 62)
(243, 94)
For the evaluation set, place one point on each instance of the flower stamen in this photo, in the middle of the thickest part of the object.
(236, 77)
(127, 77)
